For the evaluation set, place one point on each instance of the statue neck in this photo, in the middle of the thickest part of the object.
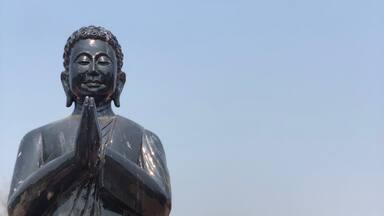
(102, 109)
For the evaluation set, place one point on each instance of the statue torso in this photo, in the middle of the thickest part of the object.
(85, 197)
(121, 134)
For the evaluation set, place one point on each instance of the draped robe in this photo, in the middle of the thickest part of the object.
(133, 180)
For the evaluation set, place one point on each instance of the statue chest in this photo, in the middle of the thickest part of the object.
(120, 136)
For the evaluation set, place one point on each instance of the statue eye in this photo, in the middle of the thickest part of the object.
(103, 63)
(83, 62)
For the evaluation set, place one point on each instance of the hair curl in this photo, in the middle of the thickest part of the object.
(93, 32)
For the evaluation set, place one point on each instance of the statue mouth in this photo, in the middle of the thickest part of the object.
(93, 85)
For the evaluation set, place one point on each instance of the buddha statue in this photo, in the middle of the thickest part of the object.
(92, 162)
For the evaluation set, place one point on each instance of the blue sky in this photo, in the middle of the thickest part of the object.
(263, 107)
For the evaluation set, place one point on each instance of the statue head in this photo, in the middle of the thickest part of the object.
(93, 60)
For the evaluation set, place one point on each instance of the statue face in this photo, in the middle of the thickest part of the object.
(92, 70)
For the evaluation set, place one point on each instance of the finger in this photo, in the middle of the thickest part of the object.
(86, 101)
(91, 102)
(93, 113)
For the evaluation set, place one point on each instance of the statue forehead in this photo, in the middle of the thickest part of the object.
(92, 47)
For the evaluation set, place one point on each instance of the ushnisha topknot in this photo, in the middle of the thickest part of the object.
(93, 32)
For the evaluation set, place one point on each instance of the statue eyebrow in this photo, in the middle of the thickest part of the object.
(83, 53)
(98, 55)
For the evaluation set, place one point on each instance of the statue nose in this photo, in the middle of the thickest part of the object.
(93, 70)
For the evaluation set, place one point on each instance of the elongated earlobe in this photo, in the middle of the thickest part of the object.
(119, 88)
(67, 90)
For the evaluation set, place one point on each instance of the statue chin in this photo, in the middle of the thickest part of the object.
(100, 99)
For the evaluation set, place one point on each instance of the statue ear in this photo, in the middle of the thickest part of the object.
(67, 90)
(119, 88)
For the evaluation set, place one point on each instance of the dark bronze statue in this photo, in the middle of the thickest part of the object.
(93, 162)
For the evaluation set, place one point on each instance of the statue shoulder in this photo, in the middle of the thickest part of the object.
(129, 125)
(36, 135)
(32, 137)
(152, 136)
(152, 142)
(125, 122)
(69, 122)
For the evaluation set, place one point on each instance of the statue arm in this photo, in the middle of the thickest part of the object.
(28, 158)
(144, 187)
(34, 184)
(154, 162)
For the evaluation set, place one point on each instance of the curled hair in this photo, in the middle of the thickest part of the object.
(93, 32)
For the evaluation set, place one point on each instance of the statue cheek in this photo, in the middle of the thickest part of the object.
(75, 82)
(110, 78)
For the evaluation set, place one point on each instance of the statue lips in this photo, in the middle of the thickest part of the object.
(93, 85)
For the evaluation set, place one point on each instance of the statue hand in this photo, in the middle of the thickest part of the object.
(88, 140)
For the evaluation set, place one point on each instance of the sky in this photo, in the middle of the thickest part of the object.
(263, 107)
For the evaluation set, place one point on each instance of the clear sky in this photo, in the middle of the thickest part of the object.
(272, 108)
